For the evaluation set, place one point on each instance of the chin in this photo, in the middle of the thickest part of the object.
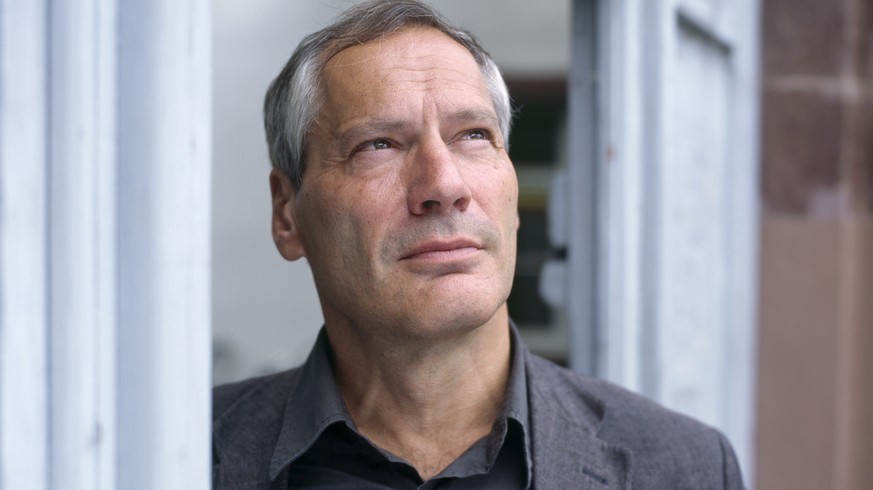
(451, 320)
(448, 307)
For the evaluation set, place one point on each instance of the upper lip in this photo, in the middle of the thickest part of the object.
(441, 246)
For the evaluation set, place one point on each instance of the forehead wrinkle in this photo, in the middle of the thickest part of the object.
(474, 115)
(434, 63)
(438, 106)
(338, 61)
(392, 66)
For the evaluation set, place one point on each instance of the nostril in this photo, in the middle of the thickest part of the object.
(429, 203)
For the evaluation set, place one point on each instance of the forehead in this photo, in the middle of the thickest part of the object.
(418, 60)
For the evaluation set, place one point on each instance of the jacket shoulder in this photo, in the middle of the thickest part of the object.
(226, 396)
(606, 405)
(266, 393)
(666, 446)
(247, 417)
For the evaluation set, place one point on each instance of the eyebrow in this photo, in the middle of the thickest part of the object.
(367, 128)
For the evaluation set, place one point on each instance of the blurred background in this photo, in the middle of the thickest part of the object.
(696, 199)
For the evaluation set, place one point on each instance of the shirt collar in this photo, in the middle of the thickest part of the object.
(516, 404)
(315, 403)
(312, 405)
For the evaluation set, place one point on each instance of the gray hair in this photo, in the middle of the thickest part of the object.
(296, 96)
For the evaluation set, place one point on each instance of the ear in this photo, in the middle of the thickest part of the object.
(286, 234)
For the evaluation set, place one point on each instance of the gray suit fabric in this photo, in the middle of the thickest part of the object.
(587, 434)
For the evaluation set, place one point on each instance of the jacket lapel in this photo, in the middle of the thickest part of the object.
(566, 450)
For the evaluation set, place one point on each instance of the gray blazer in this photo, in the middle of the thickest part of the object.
(586, 434)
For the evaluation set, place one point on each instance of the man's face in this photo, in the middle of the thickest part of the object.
(408, 208)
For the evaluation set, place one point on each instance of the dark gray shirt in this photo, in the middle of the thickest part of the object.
(321, 447)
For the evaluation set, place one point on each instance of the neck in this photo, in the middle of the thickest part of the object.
(426, 402)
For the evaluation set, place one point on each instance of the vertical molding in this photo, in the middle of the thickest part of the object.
(622, 172)
(664, 18)
(741, 335)
(23, 246)
(655, 62)
(82, 244)
(582, 304)
(163, 224)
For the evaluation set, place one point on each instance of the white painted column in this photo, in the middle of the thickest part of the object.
(82, 245)
(104, 244)
(163, 218)
(23, 246)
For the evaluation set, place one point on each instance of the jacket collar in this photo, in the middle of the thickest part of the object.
(567, 451)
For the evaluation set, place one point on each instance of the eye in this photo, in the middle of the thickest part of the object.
(373, 145)
(476, 134)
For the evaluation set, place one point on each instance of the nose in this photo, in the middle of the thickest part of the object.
(437, 184)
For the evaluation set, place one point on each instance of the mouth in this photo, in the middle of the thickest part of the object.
(443, 250)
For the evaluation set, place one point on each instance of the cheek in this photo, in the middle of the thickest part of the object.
(376, 204)
(346, 221)
(509, 205)
(503, 190)
(320, 222)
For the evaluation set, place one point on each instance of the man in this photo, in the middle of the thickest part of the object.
(387, 134)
